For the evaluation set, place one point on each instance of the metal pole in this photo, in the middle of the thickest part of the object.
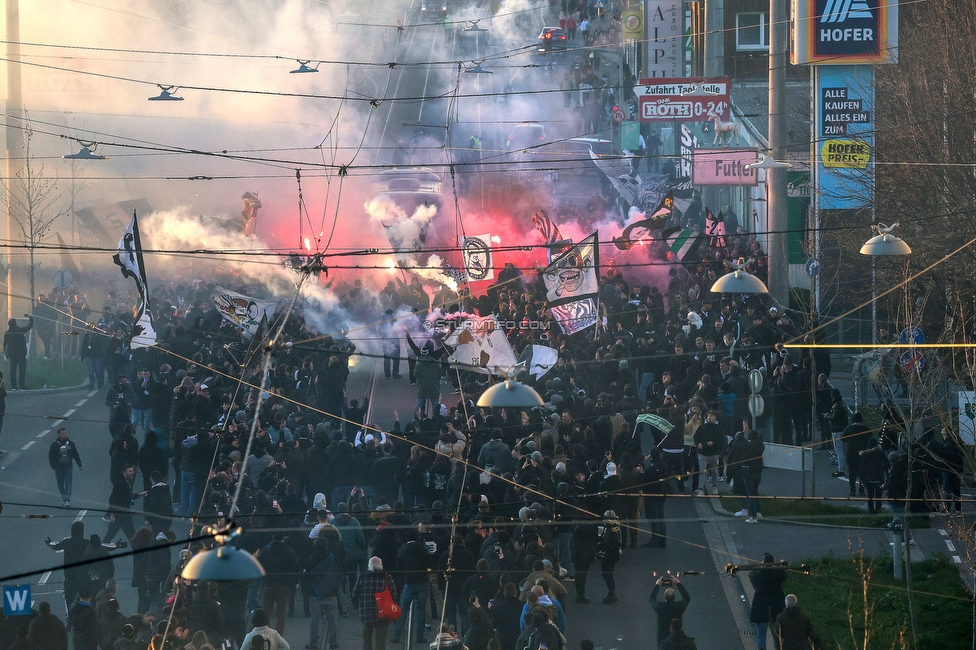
(776, 178)
(15, 135)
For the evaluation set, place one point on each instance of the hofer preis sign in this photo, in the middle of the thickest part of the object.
(843, 32)
(685, 99)
(845, 142)
(724, 167)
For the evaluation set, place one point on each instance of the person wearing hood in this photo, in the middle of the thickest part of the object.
(158, 503)
(496, 453)
(608, 552)
(83, 621)
(794, 629)
(103, 568)
(152, 458)
(354, 543)
(428, 373)
(73, 548)
(896, 484)
(872, 472)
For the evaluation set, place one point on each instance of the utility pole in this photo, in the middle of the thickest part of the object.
(15, 143)
(776, 178)
(714, 67)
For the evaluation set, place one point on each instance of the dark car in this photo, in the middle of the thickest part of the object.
(552, 37)
(525, 135)
(433, 8)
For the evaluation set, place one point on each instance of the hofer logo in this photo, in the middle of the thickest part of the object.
(838, 11)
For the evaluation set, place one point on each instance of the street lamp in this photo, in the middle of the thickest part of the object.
(86, 153)
(304, 68)
(223, 563)
(885, 243)
(166, 94)
(510, 394)
(738, 281)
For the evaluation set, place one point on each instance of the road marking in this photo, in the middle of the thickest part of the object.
(57, 423)
(81, 515)
(950, 546)
(957, 559)
(943, 532)
(44, 578)
(43, 433)
(91, 393)
(81, 403)
(27, 446)
(68, 413)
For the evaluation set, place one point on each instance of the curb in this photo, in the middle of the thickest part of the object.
(49, 391)
(719, 510)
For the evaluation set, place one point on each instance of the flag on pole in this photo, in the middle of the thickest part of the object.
(683, 243)
(715, 229)
(243, 311)
(129, 259)
(549, 230)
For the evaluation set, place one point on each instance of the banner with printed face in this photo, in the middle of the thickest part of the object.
(476, 253)
(573, 275)
(243, 311)
(480, 345)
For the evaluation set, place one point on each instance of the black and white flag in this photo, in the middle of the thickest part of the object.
(129, 259)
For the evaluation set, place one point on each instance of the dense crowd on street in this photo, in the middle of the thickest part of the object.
(497, 518)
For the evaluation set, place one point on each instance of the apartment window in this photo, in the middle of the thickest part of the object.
(752, 31)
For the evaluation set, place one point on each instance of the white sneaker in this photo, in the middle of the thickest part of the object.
(758, 515)
(742, 513)
(752, 520)
(699, 492)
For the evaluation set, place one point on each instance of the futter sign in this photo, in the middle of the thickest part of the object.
(724, 167)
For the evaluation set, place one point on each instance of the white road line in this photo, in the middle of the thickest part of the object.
(57, 423)
(943, 532)
(81, 515)
(28, 445)
(957, 559)
(950, 546)
(91, 393)
(44, 578)
(43, 433)
(68, 413)
(81, 403)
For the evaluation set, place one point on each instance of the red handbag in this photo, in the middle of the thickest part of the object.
(386, 608)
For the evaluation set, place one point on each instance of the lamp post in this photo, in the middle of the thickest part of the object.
(883, 243)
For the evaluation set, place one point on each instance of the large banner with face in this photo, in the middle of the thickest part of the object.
(572, 275)
(572, 286)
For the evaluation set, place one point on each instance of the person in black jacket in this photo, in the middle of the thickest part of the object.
(897, 486)
(119, 503)
(655, 489)
(872, 471)
(73, 548)
(585, 537)
(710, 440)
(608, 552)
(855, 439)
(668, 609)
(83, 622)
(60, 456)
(414, 562)
(46, 630)
(768, 600)
(282, 568)
(205, 612)
(951, 461)
(506, 612)
(15, 347)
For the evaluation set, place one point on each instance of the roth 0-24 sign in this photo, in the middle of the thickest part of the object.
(685, 99)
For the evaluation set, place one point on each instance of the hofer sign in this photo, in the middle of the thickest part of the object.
(724, 167)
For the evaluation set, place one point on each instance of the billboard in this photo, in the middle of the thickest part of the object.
(844, 32)
(664, 49)
(844, 114)
(687, 99)
(724, 167)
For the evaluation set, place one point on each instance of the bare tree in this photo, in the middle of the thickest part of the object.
(34, 202)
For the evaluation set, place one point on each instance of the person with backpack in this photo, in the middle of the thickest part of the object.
(364, 593)
(324, 575)
(608, 552)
